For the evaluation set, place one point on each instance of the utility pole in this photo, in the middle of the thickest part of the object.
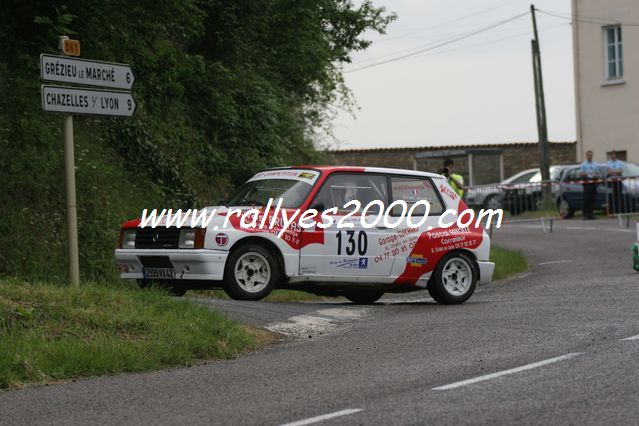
(72, 213)
(540, 104)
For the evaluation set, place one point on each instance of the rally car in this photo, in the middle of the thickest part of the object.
(360, 262)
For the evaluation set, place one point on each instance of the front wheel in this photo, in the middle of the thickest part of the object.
(565, 209)
(454, 279)
(363, 297)
(493, 202)
(251, 273)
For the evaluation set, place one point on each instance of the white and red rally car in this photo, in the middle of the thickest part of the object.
(360, 263)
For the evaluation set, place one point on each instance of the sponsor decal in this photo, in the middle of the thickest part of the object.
(306, 175)
(221, 239)
(416, 260)
(350, 263)
(448, 192)
(363, 263)
(308, 270)
(346, 263)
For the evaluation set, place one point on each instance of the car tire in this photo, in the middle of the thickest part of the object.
(363, 297)
(251, 273)
(566, 211)
(172, 287)
(493, 202)
(454, 279)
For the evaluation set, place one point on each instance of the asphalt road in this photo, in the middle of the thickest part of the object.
(544, 348)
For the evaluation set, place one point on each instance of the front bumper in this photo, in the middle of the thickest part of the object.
(486, 270)
(188, 264)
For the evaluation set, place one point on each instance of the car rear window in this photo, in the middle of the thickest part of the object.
(412, 190)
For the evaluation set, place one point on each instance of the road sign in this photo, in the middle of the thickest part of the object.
(71, 47)
(83, 101)
(89, 73)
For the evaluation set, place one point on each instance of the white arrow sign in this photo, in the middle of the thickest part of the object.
(80, 71)
(81, 101)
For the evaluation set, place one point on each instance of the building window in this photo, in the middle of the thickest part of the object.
(613, 52)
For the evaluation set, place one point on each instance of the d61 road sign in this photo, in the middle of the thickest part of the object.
(82, 101)
(89, 73)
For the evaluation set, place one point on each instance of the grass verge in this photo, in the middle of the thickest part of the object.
(49, 333)
(507, 262)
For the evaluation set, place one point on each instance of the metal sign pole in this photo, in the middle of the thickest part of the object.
(72, 214)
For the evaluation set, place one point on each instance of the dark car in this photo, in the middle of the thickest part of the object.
(569, 194)
(525, 195)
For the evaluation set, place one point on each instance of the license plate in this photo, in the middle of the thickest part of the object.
(159, 273)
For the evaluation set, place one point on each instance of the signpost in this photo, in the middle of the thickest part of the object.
(80, 100)
(83, 101)
(88, 73)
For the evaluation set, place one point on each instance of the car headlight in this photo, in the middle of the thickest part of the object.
(191, 238)
(127, 238)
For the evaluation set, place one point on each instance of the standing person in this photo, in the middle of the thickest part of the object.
(455, 180)
(590, 174)
(616, 202)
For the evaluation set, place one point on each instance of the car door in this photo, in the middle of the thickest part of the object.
(412, 260)
(573, 188)
(348, 252)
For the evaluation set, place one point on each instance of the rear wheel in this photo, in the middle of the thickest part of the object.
(251, 273)
(565, 210)
(363, 297)
(454, 279)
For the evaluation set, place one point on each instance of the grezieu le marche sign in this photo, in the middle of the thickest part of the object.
(89, 73)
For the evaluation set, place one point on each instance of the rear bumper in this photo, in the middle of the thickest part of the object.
(486, 270)
(188, 264)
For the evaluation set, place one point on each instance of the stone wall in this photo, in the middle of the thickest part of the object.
(486, 158)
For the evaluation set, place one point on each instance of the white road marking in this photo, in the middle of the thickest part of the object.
(321, 418)
(632, 338)
(555, 262)
(506, 372)
(582, 228)
(621, 230)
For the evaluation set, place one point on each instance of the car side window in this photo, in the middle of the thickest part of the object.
(340, 188)
(412, 190)
(524, 178)
(573, 175)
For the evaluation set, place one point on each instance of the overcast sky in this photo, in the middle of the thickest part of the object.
(478, 90)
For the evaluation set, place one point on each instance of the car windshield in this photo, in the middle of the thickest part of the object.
(630, 169)
(292, 186)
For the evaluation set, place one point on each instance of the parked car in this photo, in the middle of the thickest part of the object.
(489, 196)
(360, 263)
(569, 194)
(526, 196)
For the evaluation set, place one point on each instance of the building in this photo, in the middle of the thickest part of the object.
(605, 40)
(478, 164)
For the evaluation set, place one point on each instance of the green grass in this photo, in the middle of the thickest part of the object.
(49, 332)
(507, 262)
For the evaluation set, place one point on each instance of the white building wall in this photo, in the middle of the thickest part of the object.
(607, 111)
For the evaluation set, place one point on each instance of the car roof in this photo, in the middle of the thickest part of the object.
(361, 169)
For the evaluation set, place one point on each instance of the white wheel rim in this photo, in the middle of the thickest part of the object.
(252, 272)
(563, 208)
(457, 276)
